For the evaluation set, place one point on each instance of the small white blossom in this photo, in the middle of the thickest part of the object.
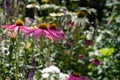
(45, 75)
(51, 69)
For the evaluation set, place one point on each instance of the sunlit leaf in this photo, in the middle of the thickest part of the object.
(107, 51)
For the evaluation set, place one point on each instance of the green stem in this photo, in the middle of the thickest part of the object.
(17, 56)
(40, 48)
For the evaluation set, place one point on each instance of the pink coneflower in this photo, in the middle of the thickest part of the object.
(19, 24)
(39, 31)
(76, 76)
(55, 33)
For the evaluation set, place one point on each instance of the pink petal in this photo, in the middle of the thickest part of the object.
(37, 33)
(10, 27)
(47, 34)
(29, 31)
(25, 29)
(56, 33)
(15, 29)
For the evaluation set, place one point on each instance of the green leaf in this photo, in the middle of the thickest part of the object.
(106, 51)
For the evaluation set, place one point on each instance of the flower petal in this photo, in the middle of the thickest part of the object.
(29, 31)
(37, 33)
(10, 27)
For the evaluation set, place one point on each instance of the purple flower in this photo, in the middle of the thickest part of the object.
(70, 23)
(32, 71)
(95, 62)
(88, 42)
(19, 24)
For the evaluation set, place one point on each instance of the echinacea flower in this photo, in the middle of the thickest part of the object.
(39, 31)
(19, 25)
(56, 34)
(80, 18)
(76, 76)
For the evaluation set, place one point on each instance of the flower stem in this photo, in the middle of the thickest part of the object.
(17, 57)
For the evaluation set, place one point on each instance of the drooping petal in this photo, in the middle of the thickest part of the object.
(50, 36)
(37, 33)
(25, 29)
(10, 27)
(57, 34)
(15, 29)
(29, 31)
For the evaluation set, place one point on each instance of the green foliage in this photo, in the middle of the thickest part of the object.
(107, 51)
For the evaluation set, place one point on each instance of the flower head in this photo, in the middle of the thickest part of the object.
(42, 26)
(51, 69)
(52, 25)
(79, 18)
(56, 34)
(18, 25)
(76, 76)
(39, 31)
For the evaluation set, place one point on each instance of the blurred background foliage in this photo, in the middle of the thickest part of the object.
(106, 39)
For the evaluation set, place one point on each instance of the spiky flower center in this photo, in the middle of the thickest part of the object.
(80, 14)
(75, 73)
(52, 25)
(19, 23)
(42, 26)
(33, 4)
(47, 1)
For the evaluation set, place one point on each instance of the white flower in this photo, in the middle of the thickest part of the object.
(32, 6)
(54, 69)
(79, 21)
(47, 6)
(89, 35)
(45, 75)
(56, 14)
(95, 53)
(51, 69)
(63, 76)
(99, 38)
